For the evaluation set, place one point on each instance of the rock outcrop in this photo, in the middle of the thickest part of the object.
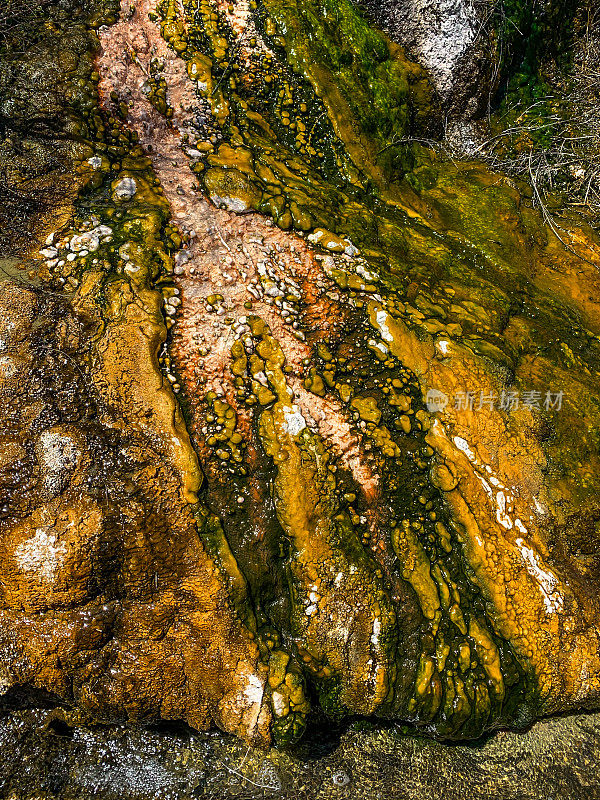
(299, 417)
(451, 39)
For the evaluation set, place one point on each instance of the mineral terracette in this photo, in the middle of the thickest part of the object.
(226, 497)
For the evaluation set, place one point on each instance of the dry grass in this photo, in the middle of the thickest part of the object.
(558, 150)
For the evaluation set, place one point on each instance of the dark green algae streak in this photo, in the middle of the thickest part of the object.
(452, 240)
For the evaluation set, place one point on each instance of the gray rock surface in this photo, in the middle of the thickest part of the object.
(448, 38)
(44, 756)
